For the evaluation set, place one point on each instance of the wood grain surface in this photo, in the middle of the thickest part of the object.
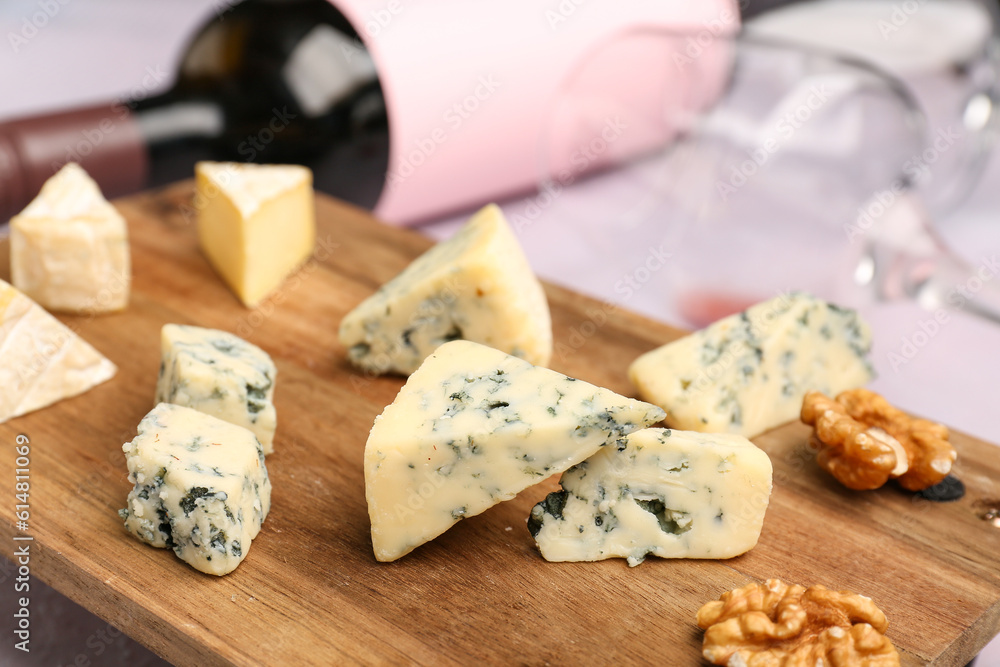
(310, 591)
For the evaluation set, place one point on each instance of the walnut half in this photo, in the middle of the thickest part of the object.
(779, 625)
(864, 441)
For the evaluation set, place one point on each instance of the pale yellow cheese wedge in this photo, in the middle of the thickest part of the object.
(69, 248)
(256, 223)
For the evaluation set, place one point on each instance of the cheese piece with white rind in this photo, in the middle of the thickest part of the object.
(475, 286)
(201, 487)
(749, 372)
(256, 223)
(220, 374)
(672, 494)
(473, 427)
(41, 360)
(69, 248)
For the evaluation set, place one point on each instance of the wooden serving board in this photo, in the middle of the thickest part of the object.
(310, 591)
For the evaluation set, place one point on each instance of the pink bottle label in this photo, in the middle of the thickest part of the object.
(484, 101)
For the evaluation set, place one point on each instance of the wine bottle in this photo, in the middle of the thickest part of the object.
(414, 108)
(265, 81)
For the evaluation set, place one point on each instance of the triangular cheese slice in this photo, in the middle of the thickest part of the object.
(41, 360)
(748, 373)
(256, 223)
(473, 427)
(475, 286)
(672, 494)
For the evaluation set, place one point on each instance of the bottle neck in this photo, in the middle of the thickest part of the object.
(124, 146)
(106, 140)
(271, 81)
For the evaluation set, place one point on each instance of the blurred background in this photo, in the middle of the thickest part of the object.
(675, 160)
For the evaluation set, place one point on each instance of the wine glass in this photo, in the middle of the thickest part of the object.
(946, 53)
(738, 167)
(926, 245)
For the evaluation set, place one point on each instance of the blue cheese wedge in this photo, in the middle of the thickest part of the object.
(749, 372)
(475, 286)
(220, 374)
(41, 360)
(472, 427)
(69, 248)
(201, 487)
(672, 494)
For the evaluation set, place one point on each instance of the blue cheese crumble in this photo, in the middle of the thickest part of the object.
(475, 286)
(672, 494)
(201, 487)
(220, 374)
(749, 372)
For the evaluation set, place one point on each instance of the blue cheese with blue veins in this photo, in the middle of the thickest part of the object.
(201, 487)
(749, 372)
(475, 286)
(672, 494)
(473, 427)
(220, 374)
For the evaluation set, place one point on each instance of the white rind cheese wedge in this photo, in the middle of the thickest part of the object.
(471, 428)
(220, 374)
(69, 248)
(256, 223)
(475, 286)
(672, 494)
(201, 487)
(41, 360)
(749, 372)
